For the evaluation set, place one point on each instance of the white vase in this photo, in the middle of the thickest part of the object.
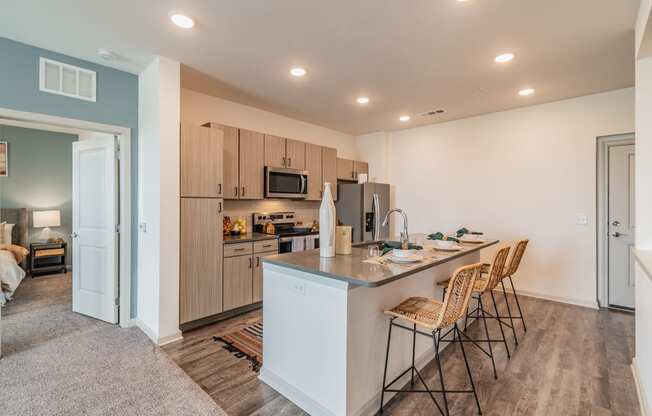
(327, 223)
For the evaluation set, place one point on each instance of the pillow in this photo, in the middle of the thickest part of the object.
(6, 236)
(19, 252)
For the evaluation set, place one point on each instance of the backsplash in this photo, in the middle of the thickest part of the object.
(306, 211)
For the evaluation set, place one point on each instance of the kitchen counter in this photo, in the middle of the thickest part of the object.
(326, 316)
(247, 238)
(355, 270)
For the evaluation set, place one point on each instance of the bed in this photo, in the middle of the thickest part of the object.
(13, 254)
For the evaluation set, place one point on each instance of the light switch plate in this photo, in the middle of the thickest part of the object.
(582, 219)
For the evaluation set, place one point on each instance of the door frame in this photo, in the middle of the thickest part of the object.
(124, 135)
(604, 143)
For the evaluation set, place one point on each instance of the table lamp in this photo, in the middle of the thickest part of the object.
(45, 220)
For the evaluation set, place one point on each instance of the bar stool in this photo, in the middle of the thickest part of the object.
(514, 263)
(435, 316)
(482, 286)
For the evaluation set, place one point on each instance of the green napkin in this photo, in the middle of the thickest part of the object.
(441, 236)
(465, 230)
(391, 245)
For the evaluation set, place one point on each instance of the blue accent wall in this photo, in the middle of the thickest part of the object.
(40, 177)
(117, 104)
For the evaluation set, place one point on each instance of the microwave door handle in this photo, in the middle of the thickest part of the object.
(303, 184)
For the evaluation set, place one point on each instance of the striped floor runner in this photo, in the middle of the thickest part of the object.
(245, 343)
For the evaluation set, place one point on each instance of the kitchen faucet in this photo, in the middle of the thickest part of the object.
(405, 238)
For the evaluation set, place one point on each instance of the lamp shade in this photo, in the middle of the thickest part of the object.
(44, 219)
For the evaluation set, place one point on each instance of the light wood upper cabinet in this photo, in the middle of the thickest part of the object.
(238, 281)
(359, 167)
(344, 169)
(200, 286)
(329, 169)
(201, 162)
(275, 151)
(295, 154)
(314, 168)
(231, 162)
(252, 164)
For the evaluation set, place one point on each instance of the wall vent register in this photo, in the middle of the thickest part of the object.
(63, 79)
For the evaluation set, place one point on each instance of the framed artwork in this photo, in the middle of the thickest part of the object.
(4, 159)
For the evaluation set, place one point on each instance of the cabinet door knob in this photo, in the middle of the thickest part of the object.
(250, 263)
(235, 191)
(220, 207)
(283, 162)
(243, 191)
(257, 261)
(219, 189)
(289, 161)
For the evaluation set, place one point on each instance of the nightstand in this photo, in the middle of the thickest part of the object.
(47, 258)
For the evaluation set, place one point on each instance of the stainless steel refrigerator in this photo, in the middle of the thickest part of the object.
(363, 206)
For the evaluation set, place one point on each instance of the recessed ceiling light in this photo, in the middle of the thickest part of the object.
(182, 20)
(505, 57)
(526, 91)
(404, 119)
(297, 71)
(106, 54)
(362, 100)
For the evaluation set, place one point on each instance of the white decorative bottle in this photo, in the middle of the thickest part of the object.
(327, 224)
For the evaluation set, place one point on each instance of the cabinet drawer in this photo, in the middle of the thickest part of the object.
(265, 245)
(238, 249)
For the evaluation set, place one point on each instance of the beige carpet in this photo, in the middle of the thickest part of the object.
(56, 362)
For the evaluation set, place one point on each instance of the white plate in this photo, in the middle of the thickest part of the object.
(477, 239)
(454, 247)
(411, 259)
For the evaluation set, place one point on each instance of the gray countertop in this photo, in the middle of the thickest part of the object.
(355, 270)
(248, 238)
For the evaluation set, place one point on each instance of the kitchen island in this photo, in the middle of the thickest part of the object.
(325, 332)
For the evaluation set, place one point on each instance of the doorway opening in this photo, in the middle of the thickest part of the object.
(97, 229)
(616, 221)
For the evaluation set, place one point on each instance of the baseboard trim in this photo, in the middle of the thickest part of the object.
(293, 394)
(645, 409)
(559, 299)
(160, 341)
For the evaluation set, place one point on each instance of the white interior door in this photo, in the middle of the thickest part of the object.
(95, 238)
(621, 226)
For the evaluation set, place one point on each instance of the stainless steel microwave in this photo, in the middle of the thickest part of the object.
(286, 183)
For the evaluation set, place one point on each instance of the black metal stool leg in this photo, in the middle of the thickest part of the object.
(414, 345)
(466, 318)
(500, 323)
(509, 312)
(389, 338)
(441, 373)
(468, 369)
(517, 303)
(486, 330)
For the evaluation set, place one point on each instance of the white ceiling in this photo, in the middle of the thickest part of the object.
(409, 56)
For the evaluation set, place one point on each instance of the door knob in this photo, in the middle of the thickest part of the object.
(616, 234)
(74, 235)
(616, 223)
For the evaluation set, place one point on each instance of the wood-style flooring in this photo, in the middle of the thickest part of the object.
(572, 361)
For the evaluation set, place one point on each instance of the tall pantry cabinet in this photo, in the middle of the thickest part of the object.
(202, 190)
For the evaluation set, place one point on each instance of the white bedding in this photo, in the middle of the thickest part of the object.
(10, 275)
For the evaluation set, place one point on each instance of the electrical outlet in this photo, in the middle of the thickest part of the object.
(300, 288)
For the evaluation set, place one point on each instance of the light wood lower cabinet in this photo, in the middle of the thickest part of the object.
(258, 274)
(238, 282)
(200, 285)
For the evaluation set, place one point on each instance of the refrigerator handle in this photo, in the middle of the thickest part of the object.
(376, 211)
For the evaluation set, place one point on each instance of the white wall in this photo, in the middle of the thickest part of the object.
(525, 173)
(197, 108)
(158, 265)
(643, 361)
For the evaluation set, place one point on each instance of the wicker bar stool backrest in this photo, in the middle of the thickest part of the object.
(497, 270)
(517, 256)
(458, 294)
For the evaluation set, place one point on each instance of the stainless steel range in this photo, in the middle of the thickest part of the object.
(284, 224)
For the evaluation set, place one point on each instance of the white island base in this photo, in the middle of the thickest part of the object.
(325, 339)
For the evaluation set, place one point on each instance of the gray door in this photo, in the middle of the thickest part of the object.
(621, 226)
